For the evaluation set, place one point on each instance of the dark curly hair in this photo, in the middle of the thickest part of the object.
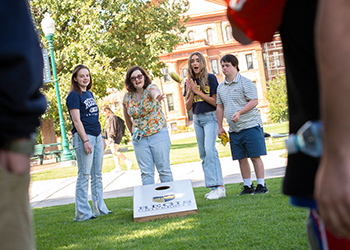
(128, 84)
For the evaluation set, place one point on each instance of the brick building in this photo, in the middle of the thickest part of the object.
(209, 32)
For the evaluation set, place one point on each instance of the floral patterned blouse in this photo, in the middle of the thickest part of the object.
(147, 114)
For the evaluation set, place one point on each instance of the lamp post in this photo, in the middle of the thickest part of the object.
(48, 26)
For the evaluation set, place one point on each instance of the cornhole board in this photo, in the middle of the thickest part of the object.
(162, 200)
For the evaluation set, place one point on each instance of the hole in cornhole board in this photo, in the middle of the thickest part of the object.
(162, 188)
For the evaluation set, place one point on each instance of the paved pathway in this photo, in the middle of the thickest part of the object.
(118, 184)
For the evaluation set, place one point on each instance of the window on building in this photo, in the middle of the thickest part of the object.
(170, 102)
(228, 31)
(249, 59)
(215, 66)
(184, 72)
(210, 37)
(276, 59)
(190, 35)
(173, 126)
(265, 60)
(166, 77)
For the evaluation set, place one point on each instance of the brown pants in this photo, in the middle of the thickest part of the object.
(16, 231)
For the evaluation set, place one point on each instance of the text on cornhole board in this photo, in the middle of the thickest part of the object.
(167, 199)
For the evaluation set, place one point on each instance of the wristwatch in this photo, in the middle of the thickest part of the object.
(23, 146)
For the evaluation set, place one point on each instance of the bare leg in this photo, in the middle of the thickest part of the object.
(245, 168)
(120, 155)
(258, 167)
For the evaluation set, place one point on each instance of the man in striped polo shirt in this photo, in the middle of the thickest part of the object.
(237, 98)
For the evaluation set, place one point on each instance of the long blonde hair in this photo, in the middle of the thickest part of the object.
(203, 74)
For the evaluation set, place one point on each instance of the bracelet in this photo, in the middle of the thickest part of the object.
(85, 141)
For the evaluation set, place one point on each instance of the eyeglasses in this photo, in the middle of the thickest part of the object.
(139, 77)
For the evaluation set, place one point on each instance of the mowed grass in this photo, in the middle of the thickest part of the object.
(181, 151)
(245, 222)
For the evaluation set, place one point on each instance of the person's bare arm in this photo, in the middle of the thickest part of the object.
(75, 113)
(128, 120)
(332, 185)
(220, 117)
(190, 94)
(249, 106)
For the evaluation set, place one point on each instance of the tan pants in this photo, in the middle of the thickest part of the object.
(16, 232)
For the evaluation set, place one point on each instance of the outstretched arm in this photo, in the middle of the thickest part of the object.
(332, 185)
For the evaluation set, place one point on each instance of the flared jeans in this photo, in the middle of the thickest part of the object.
(89, 165)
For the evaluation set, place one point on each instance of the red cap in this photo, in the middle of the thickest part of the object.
(254, 19)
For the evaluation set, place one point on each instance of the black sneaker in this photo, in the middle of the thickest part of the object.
(260, 189)
(247, 190)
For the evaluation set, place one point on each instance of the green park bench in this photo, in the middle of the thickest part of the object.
(39, 152)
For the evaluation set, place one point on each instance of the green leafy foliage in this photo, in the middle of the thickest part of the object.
(108, 36)
(277, 96)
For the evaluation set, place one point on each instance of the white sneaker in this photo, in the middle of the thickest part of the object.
(128, 163)
(206, 195)
(116, 169)
(217, 194)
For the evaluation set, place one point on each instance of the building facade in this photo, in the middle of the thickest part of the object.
(209, 32)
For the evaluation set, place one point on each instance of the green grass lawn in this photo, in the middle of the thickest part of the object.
(182, 151)
(247, 222)
(280, 128)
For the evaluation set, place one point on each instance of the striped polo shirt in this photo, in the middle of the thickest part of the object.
(234, 96)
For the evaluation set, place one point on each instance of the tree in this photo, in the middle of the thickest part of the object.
(277, 96)
(108, 36)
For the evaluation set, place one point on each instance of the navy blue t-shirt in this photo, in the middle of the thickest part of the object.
(199, 105)
(88, 111)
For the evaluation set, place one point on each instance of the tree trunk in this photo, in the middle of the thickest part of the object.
(48, 134)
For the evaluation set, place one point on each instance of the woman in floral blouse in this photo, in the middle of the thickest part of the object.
(146, 122)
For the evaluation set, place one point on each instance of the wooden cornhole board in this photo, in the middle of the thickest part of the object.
(162, 200)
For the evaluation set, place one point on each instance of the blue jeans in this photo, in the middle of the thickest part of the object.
(206, 127)
(154, 150)
(89, 165)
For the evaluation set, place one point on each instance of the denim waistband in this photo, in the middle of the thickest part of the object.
(205, 113)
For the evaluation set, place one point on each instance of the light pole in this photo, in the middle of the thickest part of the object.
(48, 26)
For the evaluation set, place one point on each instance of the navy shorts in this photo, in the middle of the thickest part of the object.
(247, 143)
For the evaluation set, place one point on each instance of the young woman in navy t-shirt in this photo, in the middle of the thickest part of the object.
(200, 95)
(88, 145)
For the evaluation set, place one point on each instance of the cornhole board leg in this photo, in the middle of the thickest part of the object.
(163, 200)
(157, 217)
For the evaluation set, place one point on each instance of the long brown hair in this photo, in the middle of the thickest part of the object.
(74, 86)
(203, 74)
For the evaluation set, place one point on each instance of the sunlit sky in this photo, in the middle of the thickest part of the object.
(201, 6)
